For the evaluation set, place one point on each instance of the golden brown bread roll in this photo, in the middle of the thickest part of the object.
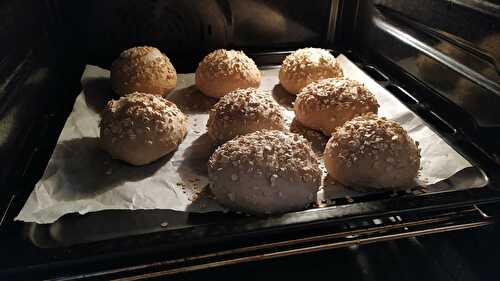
(265, 172)
(143, 69)
(327, 104)
(223, 71)
(241, 112)
(374, 152)
(141, 128)
(305, 66)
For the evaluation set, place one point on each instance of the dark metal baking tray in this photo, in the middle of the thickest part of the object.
(105, 225)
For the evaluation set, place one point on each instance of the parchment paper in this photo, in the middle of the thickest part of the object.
(81, 178)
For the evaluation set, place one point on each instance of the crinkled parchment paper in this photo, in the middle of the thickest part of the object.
(82, 178)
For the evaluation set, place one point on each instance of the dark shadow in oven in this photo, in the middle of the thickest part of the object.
(191, 100)
(195, 161)
(317, 139)
(283, 97)
(97, 93)
(93, 170)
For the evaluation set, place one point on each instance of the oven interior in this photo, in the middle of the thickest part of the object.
(444, 65)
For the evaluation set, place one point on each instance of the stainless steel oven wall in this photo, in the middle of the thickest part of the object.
(194, 27)
(451, 46)
(30, 82)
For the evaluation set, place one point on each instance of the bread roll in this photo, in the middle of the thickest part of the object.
(373, 152)
(326, 104)
(241, 112)
(305, 66)
(265, 172)
(143, 69)
(223, 71)
(141, 128)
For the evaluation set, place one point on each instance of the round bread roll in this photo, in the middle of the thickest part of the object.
(265, 172)
(305, 66)
(141, 128)
(143, 69)
(374, 152)
(327, 104)
(223, 71)
(241, 112)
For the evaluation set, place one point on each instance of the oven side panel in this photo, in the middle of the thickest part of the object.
(453, 47)
(38, 83)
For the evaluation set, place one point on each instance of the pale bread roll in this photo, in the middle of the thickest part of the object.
(372, 152)
(223, 71)
(265, 172)
(305, 66)
(241, 112)
(327, 104)
(143, 69)
(141, 128)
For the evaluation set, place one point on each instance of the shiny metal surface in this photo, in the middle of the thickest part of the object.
(451, 47)
(75, 229)
(376, 232)
(304, 250)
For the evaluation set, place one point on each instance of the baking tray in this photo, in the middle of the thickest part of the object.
(74, 229)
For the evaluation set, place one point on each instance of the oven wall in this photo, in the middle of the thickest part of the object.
(187, 30)
(22, 28)
(453, 47)
(35, 86)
